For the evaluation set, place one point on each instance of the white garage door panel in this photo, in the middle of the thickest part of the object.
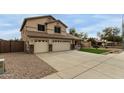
(40, 47)
(61, 46)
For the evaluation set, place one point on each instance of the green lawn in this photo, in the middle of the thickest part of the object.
(93, 50)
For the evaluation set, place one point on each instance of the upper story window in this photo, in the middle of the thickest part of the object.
(57, 29)
(41, 27)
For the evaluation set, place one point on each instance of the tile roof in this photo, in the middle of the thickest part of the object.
(34, 34)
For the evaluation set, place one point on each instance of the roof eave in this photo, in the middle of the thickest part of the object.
(50, 37)
(58, 21)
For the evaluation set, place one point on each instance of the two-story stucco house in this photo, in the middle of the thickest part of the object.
(45, 34)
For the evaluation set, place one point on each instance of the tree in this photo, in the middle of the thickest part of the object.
(93, 41)
(111, 31)
(99, 35)
(85, 35)
(77, 35)
(110, 34)
(72, 31)
(115, 38)
(81, 35)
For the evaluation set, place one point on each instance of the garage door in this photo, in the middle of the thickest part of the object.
(59, 45)
(41, 46)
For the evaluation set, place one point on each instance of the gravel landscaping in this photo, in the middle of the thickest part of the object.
(25, 66)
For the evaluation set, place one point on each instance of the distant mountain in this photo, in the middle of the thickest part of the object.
(1, 39)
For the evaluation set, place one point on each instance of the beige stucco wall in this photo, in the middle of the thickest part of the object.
(34, 22)
(50, 28)
(86, 44)
(32, 26)
(23, 35)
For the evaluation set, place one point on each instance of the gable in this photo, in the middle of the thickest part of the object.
(35, 18)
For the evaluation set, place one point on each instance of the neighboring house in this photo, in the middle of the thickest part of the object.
(45, 34)
(86, 44)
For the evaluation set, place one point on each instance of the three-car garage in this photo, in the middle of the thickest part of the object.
(41, 46)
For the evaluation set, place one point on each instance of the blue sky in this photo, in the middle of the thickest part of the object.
(89, 23)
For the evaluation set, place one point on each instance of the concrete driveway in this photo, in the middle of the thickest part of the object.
(82, 65)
